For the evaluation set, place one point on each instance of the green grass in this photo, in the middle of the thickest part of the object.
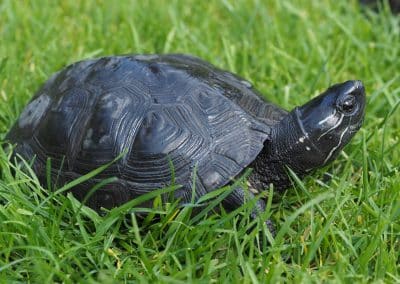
(343, 229)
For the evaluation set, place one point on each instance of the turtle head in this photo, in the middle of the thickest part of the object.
(328, 122)
(310, 136)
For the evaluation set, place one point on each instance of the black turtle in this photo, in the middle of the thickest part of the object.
(176, 112)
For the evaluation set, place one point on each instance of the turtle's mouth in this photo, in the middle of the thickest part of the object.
(355, 127)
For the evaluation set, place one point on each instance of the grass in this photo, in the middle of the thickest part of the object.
(342, 229)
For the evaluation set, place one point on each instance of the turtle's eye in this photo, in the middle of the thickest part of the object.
(347, 104)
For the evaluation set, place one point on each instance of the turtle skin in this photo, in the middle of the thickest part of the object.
(164, 115)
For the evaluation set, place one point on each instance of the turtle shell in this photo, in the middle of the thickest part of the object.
(171, 118)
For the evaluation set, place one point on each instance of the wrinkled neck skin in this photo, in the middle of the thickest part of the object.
(289, 146)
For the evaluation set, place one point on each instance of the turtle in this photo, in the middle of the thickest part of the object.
(177, 118)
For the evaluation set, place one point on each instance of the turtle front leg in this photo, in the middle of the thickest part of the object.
(239, 196)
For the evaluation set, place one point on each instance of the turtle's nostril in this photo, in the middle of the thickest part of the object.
(359, 84)
(359, 89)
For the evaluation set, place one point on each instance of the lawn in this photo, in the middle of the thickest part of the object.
(341, 224)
